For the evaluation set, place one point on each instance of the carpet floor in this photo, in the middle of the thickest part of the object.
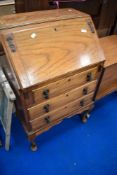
(70, 148)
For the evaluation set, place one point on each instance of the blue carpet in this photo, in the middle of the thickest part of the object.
(70, 148)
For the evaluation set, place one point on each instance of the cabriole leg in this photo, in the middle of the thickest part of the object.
(33, 146)
(85, 115)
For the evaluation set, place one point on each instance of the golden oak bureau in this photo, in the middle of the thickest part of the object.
(54, 63)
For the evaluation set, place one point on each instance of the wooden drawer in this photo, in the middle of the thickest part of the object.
(61, 100)
(65, 111)
(64, 85)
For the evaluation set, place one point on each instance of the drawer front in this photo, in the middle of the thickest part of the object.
(64, 85)
(65, 111)
(61, 100)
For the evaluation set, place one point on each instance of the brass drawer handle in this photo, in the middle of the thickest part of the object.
(89, 77)
(85, 91)
(47, 119)
(46, 108)
(82, 103)
(46, 94)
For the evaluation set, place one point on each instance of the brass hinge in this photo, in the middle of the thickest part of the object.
(11, 43)
(90, 24)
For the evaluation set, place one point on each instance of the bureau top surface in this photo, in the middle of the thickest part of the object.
(49, 47)
(21, 19)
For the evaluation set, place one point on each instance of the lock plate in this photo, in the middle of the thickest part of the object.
(11, 43)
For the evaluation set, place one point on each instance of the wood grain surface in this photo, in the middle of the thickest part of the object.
(50, 50)
(22, 19)
(34, 133)
(109, 80)
(64, 85)
(61, 100)
(67, 110)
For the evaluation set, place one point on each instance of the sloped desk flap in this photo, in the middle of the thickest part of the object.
(41, 51)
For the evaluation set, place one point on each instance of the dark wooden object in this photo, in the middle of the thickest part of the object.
(55, 62)
(107, 17)
(31, 5)
(115, 27)
(92, 7)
